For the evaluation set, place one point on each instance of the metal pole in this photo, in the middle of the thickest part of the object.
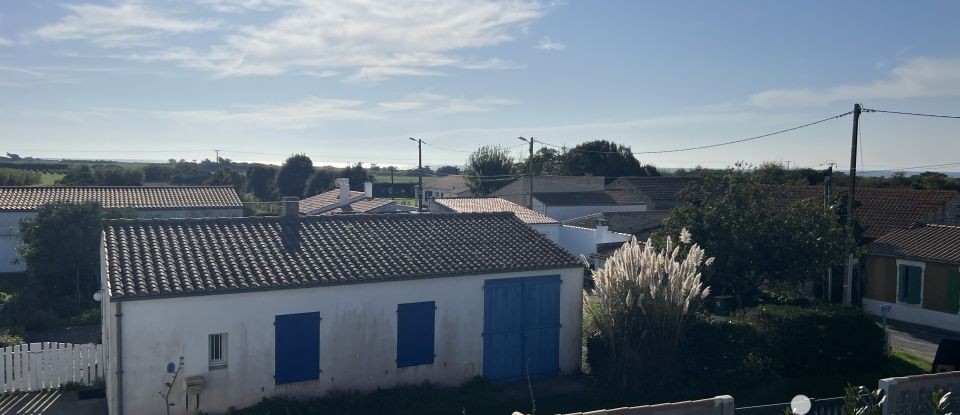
(529, 172)
(420, 171)
(851, 193)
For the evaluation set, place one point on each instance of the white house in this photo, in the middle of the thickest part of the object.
(301, 305)
(18, 202)
(569, 205)
(576, 239)
(343, 200)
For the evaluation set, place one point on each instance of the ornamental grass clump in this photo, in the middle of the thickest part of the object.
(642, 298)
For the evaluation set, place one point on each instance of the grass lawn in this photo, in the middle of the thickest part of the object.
(49, 179)
(397, 178)
(406, 201)
(481, 397)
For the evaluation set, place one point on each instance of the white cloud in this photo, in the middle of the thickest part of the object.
(236, 6)
(376, 39)
(401, 105)
(307, 113)
(919, 77)
(5, 42)
(485, 104)
(122, 25)
(547, 44)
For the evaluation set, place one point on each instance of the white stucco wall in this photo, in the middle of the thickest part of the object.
(357, 339)
(914, 314)
(10, 225)
(570, 212)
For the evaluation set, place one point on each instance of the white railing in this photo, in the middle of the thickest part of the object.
(39, 366)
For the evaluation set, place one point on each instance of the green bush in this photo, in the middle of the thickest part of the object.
(11, 336)
(714, 353)
(818, 340)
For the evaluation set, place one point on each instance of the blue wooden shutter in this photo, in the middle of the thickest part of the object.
(415, 333)
(297, 350)
(914, 285)
(902, 283)
(541, 325)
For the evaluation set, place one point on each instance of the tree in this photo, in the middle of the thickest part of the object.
(157, 172)
(80, 175)
(61, 247)
(756, 237)
(117, 176)
(448, 170)
(321, 181)
(260, 181)
(293, 175)
(603, 158)
(488, 169)
(226, 176)
(357, 175)
(186, 173)
(546, 162)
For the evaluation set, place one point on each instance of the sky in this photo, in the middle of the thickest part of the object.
(350, 81)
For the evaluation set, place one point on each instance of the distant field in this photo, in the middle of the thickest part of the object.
(49, 179)
(406, 201)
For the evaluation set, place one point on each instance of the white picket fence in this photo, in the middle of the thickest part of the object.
(39, 366)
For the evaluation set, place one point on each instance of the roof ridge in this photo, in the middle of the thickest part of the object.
(304, 218)
(116, 187)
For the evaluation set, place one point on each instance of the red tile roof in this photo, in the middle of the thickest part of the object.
(326, 203)
(940, 243)
(169, 257)
(881, 210)
(493, 204)
(16, 198)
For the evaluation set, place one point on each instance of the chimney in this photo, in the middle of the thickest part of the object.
(368, 188)
(602, 229)
(344, 185)
(290, 207)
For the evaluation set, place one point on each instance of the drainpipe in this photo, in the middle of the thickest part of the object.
(119, 355)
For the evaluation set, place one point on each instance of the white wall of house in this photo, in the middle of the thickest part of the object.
(583, 241)
(912, 313)
(570, 212)
(357, 339)
(10, 261)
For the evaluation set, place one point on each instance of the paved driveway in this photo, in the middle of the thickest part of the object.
(50, 403)
(917, 340)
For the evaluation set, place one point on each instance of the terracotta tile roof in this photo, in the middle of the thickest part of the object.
(451, 184)
(326, 203)
(880, 210)
(166, 257)
(607, 197)
(657, 188)
(15, 198)
(361, 206)
(493, 204)
(940, 243)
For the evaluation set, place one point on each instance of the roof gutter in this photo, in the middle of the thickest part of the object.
(119, 358)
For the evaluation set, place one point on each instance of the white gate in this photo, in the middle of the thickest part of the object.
(38, 366)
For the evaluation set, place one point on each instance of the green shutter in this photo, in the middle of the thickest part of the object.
(901, 283)
(953, 292)
(914, 284)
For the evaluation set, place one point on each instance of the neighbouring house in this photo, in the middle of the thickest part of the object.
(518, 191)
(569, 205)
(639, 224)
(344, 201)
(446, 186)
(604, 251)
(17, 203)
(913, 275)
(659, 193)
(303, 305)
(577, 240)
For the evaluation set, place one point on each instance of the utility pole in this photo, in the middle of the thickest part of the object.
(419, 172)
(827, 200)
(851, 193)
(216, 156)
(529, 172)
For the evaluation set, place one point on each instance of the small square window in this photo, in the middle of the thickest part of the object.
(218, 350)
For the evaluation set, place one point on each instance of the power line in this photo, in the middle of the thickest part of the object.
(912, 113)
(725, 143)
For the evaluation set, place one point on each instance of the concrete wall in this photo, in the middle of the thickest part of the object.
(913, 314)
(910, 395)
(570, 212)
(720, 405)
(583, 241)
(358, 339)
(10, 225)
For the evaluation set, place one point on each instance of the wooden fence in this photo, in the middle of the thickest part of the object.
(39, 366)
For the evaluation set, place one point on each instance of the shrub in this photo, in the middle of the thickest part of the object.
(11, 336)
(16, 177)
(818, 340)
(643, 297)
(716, 356)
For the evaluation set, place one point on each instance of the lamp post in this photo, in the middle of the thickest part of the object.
(529, 172)
(419, 172)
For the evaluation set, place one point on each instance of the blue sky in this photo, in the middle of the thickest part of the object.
(350, 81)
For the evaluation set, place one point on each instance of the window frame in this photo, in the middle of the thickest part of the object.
(222, 340)
(923, 272)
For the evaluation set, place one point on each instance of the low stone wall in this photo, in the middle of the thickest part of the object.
(720, 405)
(911, 395)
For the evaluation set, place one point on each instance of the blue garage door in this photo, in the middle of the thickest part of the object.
(297, 348)
(521, 328)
